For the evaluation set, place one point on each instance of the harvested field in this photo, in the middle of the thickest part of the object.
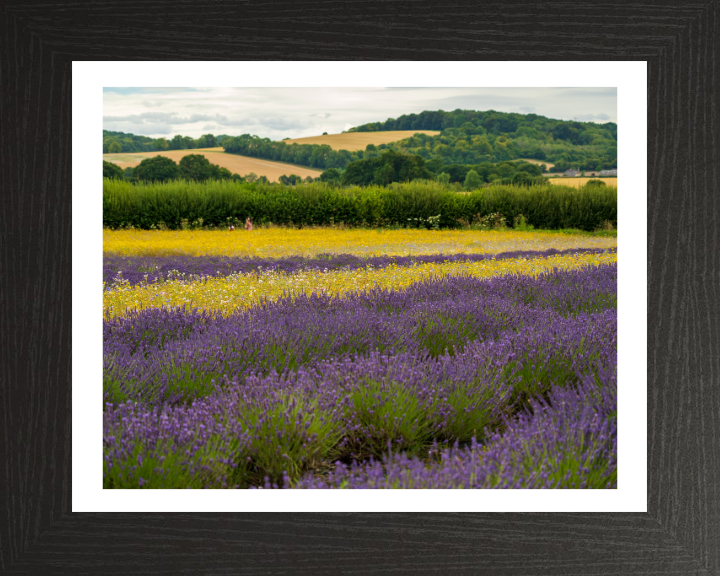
(577, 182)
(359, 140)
(237, 164)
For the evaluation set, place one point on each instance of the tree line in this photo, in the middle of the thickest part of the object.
(119, 142)
(411, 204)
(391, 166)
(193, 167)
(162, 169)
(386, 168)
(310, 155)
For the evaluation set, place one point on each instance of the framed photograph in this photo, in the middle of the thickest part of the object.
(431, 215)
(651, 509)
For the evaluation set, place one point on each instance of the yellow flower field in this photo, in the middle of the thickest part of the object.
(281, 242)
(240, 291)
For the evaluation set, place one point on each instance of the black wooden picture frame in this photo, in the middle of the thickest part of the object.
(680, 533)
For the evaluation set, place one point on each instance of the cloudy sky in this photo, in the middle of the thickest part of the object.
(277, 113)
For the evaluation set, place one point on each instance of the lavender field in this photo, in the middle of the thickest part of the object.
(498, 377)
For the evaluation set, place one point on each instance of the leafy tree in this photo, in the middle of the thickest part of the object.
(457, 172)
(386, 168)
(161, 144)
(114, 148)
(177, 143)
(207, 141)
(291, 180)
(263, 180)
(562, 131)
(481, 146)
(252, 177)
(532, 169)
(443, 178)
(434, 165)
(330, 175)
(198, 167)
(157, 168)
(220, 173)
(595, 182)
(522, 179)
(195, 167)
(473, 180)
(459, 119)
(111, 170)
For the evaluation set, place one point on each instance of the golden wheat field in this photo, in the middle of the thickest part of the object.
(236, 164)
(577, 182)
(359, 140)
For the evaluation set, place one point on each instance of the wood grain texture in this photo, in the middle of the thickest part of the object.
(680, 535)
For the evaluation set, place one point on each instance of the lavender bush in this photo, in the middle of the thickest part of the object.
(567, 441)
(457, 382)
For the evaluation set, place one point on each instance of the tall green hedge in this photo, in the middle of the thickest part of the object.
(547, 207)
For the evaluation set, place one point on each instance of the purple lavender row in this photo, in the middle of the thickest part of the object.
(352, 408)
(173, 355)
(568, 441)
(136, 270)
